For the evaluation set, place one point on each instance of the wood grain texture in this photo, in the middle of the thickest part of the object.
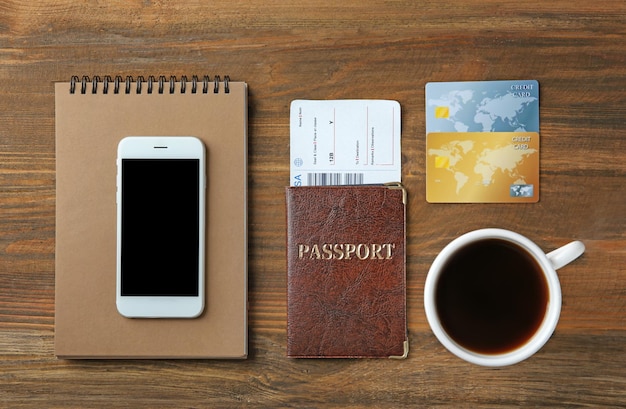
(322, 49)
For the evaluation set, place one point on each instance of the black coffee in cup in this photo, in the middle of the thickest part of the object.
(491, 296)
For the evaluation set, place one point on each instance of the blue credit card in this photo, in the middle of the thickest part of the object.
(482, 106)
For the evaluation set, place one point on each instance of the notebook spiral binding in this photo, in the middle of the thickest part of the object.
(125, 85)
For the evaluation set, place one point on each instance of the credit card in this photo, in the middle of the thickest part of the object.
(482, 142)
(482, 167)
(482, 106)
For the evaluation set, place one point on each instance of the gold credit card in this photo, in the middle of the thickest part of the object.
(482, 167)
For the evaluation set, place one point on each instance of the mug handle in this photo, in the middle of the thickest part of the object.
(566, 254)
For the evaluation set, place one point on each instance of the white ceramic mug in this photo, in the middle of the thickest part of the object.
(548, 264)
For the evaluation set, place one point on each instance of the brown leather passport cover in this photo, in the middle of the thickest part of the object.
(346, 267)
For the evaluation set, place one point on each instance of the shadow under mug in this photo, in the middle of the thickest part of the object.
(547, 264)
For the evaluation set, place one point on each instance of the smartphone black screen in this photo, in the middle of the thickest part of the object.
(160, 227)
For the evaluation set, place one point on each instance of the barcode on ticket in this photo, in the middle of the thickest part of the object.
(332, 179)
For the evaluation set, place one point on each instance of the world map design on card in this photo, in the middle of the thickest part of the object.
(482, 142)
(482, 167)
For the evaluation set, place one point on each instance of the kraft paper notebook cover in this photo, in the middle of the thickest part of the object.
(92, 116)
(346, 272)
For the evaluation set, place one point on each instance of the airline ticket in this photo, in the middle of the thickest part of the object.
(344, 142)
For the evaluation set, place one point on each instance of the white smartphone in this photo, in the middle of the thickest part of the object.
(161, 185)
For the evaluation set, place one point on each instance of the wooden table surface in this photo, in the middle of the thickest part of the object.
(322, 49)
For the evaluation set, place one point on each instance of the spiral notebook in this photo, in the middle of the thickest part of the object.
(92, 116)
